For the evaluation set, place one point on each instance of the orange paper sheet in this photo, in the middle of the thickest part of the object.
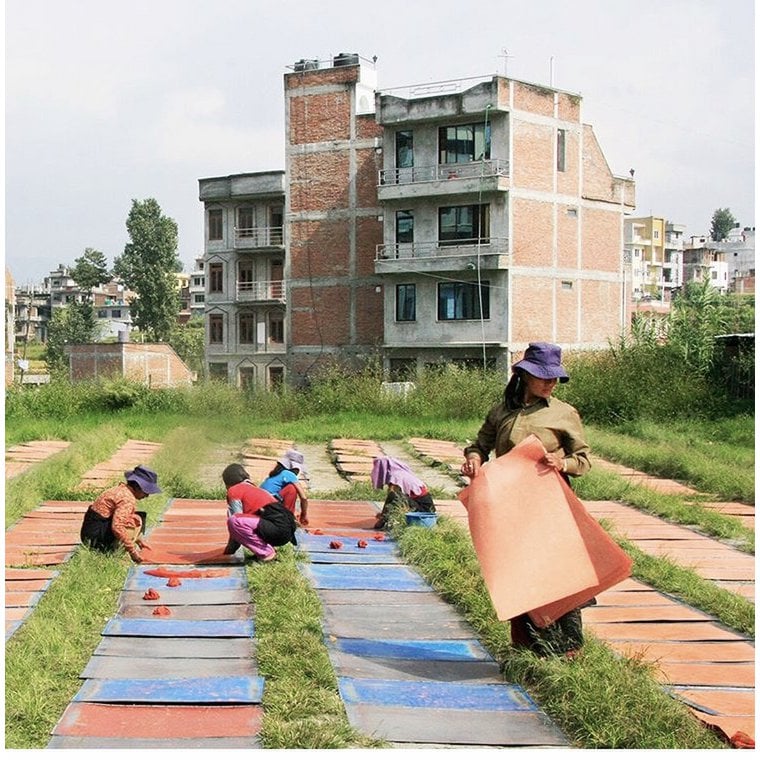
(540, 552)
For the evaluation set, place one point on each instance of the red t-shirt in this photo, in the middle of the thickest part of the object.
(250, 496)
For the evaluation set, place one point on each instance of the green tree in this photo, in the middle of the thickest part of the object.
(722, 222)
(147, 266)
(188, 341)
(90, 270)
(69, 325)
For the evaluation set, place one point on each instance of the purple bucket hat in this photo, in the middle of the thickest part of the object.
(145, 478)
(543, 360)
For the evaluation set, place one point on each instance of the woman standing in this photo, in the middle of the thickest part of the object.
(528, 408)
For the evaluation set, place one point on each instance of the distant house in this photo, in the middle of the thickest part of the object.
(10, 328)
(153, 364)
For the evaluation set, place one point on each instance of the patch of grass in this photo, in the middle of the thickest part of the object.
(694, 454)
(45, 656)
(600, 700)
(302, 707)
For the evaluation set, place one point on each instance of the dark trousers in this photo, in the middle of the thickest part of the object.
(96, 531)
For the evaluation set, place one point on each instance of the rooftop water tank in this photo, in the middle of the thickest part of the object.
(346, 59)
(306, 64)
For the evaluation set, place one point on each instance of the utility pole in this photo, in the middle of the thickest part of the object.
(506, 56)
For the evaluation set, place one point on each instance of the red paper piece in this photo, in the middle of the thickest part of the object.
(174, 582)
(162, 611)
(740, 740)
(336, 544)
(151, 593)
(379, 536)
(361, 544)
(540, 552)
(318, 532)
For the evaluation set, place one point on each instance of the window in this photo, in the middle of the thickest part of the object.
(276, 328)
(464, 142)
(567, 285)
(215, 279)
(276, 378)
(275, 225)
(199, 297)
(560, 150)
(217, 371)
(246, 376)
(245, 275)
(116, 313)
(216, 330)
(459, 300)
(247, 328)
(215, 224)
(404, 227)
(404, 149)
(245, 221)
(656, 234)
(406, 303)
(463, 223)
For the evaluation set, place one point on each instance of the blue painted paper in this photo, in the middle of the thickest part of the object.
(418, 649)
(177, 628)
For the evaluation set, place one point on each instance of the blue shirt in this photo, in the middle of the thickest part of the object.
(275, 483)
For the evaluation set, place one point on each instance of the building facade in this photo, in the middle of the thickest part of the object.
(447, 223)
(244, 259)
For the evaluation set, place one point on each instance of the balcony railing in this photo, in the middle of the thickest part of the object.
(492, 167)
(266, 290)
(258, 237)
(441, 248)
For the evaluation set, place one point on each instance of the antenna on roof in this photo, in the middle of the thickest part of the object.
(506, 56)
(551, 71)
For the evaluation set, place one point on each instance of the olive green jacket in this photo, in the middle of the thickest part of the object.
(555, 423)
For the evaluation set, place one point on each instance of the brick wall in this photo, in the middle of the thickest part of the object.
(532, 232)
(154, 364)
(532, 166)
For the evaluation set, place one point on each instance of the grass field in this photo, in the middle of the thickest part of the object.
(615, 702)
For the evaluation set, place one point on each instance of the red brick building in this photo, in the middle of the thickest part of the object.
(453, 222)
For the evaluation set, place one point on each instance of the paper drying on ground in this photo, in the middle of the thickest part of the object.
(539, 550)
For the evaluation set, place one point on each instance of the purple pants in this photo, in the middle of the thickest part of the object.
(242, 528)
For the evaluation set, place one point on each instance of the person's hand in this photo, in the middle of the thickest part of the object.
(471, 467)
(142, 544)
(555, 460)
(136, 557)
(303, 519)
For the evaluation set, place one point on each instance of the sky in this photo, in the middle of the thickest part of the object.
(108, 102)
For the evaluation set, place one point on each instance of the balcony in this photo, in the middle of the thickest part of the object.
(272, 291)
(489, 175)
(258, 237)
(442, 255)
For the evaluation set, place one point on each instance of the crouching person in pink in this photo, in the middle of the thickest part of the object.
(261, 523)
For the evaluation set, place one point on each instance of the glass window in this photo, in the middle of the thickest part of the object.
(245, 275)
(404, 149)
(215, 224)
(404, 227)
(561, 150)
(276, 328)
(463, 223)
(216, 329)
(406, 303)
(276, 378)
(215, 279)
(461, 300)
(247, 326)
(245, 221)
(464, 142)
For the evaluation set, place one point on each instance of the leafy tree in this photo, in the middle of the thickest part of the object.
(147, 266)
(188, 341)
(70, 324)
(90, 270)
(722, 222)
